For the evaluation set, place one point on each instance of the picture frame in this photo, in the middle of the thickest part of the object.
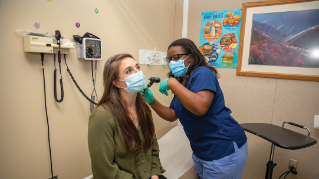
(260, 58)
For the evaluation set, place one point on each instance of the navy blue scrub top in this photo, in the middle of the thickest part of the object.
(211, 136)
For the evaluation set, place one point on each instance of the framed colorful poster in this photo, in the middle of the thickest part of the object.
(280, 39)
(219, 36)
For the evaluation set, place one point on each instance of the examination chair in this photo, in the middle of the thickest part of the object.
(176, 153)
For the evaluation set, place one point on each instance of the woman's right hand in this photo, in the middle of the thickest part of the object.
(148, 95)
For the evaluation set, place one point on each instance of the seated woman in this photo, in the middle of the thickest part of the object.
(121, 133)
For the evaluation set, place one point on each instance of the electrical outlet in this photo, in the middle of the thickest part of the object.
(293, 163)
(54, 177)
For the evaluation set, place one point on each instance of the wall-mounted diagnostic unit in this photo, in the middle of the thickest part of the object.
(37, 44)
(90, 49)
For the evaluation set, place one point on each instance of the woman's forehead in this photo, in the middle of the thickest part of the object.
(175, 50)
(126, 62)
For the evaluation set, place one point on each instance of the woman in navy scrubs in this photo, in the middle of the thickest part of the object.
(218, 142)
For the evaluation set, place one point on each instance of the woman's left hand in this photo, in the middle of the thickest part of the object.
(155, 177)
(163, 86)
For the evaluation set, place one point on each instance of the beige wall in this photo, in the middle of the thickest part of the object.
(125, 26)
(262, 100)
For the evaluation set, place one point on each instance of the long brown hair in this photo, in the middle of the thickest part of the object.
(197, 58)
(113, 99)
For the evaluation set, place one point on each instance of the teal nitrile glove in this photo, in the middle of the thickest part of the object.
(163, 86)
(148, 95)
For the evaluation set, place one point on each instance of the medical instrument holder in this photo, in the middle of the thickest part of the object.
(36, 44)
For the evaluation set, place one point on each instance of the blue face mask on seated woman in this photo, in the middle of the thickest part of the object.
(178, 67)
(135, 83)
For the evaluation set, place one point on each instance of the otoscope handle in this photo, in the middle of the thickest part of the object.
(59, 57)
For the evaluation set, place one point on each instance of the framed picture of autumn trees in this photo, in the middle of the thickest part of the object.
(280, 39)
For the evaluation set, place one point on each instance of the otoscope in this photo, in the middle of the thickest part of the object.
(152, 80)
(57, 37)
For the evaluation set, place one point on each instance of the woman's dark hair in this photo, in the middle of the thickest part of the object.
(197, 58)
(113, 99)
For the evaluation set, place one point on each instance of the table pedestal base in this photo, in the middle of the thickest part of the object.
(270, 167)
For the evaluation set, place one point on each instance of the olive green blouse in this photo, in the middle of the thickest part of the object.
(109, 158)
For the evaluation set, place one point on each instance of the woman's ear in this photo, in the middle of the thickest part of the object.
(189, 59)
(116, 84)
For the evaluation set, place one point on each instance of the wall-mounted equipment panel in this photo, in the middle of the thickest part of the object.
(36, 44)
(149, 57)
(90, 49)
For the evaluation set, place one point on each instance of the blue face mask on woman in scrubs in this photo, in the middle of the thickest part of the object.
(178, 67)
